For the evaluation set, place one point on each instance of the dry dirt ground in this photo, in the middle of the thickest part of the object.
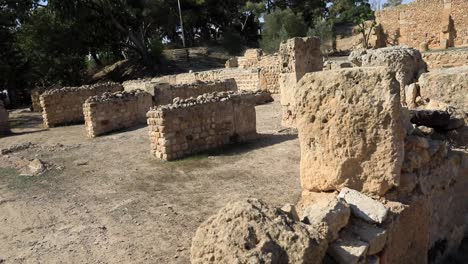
(107, 201)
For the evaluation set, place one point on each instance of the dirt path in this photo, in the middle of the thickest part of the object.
(107, 201)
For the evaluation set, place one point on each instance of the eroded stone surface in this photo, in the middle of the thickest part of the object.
(252, 232)
(351, 130)
(363, 206)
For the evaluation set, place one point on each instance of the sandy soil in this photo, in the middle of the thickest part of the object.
(107, 201)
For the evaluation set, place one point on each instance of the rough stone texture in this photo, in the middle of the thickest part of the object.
(297, 57)
(114, 111)
(375, 236)
(132, 85)
(351, 130)
(65, 105)
(232, 63)
(165, 94)
(269, 66)
(406, 62)
(348, 250)
(246, 79)
(252, 232)
(197, 124)
(364, 207)
(447, 85)
(327, 215)
(446, 58)
(36, 96)
(4, 125)
(438, 23)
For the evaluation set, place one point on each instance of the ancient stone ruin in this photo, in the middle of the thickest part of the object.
(433, 24)
(381, 183)
(64, 106)
(207, 122)
(114, 111)
(36, 97)
(4, 125)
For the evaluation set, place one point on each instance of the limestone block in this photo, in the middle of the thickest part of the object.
(351, 130)
(375, 236)
(348, 250)
(447, 85)
(252, 232)
(364, 207)
(327, 215)
(406, 62)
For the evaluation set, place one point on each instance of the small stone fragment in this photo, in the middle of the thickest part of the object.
(348, 250)
(363, 206)
(375, 236)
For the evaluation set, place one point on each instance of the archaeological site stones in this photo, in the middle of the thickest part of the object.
(113, 111)
(63, 106)
(196, 124)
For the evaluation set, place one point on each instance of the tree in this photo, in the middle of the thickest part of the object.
(392, 3)
(281, 25)
(324, 30)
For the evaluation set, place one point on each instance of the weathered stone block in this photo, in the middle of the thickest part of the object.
(363, 206)
(351, 130)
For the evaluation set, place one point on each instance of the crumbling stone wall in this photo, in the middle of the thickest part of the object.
(165, 94)
(246, 79)
(269, 66)
(36, 97)
(297, 57)
(65, 105)
(4, 125)
(208, 122)
(446, 58)
(113, 111)
(437, 23)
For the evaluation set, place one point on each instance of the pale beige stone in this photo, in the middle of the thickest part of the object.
(253, 232)
(348, 250)
(363, 206)
(351, 130)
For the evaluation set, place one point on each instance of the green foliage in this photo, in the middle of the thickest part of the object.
(281, 25)
(53, 52)
(324, 30)
(232, 42)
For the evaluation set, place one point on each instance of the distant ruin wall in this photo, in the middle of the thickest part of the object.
(4, 125)
(113, 111)
(190, 126)
(446, 58)
(165, 94)
(439, 23)
(65, 105)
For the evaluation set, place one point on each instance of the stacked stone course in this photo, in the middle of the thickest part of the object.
(446, 58)
(64, 106)
(203, 123)
(434, 23)
(4, 125)
(36, 96)
(113, 111)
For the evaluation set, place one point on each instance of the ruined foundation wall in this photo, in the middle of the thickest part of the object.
(113, 111)
(65, 105)
(438, 23)
(446, 58)
(165, 94)
(4, 125)
(36, 97)
(269, 66)
(246, 79)
(133, 85)
(193, 125)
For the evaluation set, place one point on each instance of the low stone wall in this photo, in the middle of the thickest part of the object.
(446, 58)
(36, 96)
(113, 111)
(208, 122)
(65, 105)
(133, 85)
(165, 94)
(246, 79)
(4, 125)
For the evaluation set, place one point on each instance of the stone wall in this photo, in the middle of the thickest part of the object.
(357, 139)
(269, 66)
(64, 106)
(165, 94)
(193, 125)
(446, 58)
(297, 57)
(246, 79)
(4, 125)
(133, 85)
(438, 23)
(36, 97)
(113, 111)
